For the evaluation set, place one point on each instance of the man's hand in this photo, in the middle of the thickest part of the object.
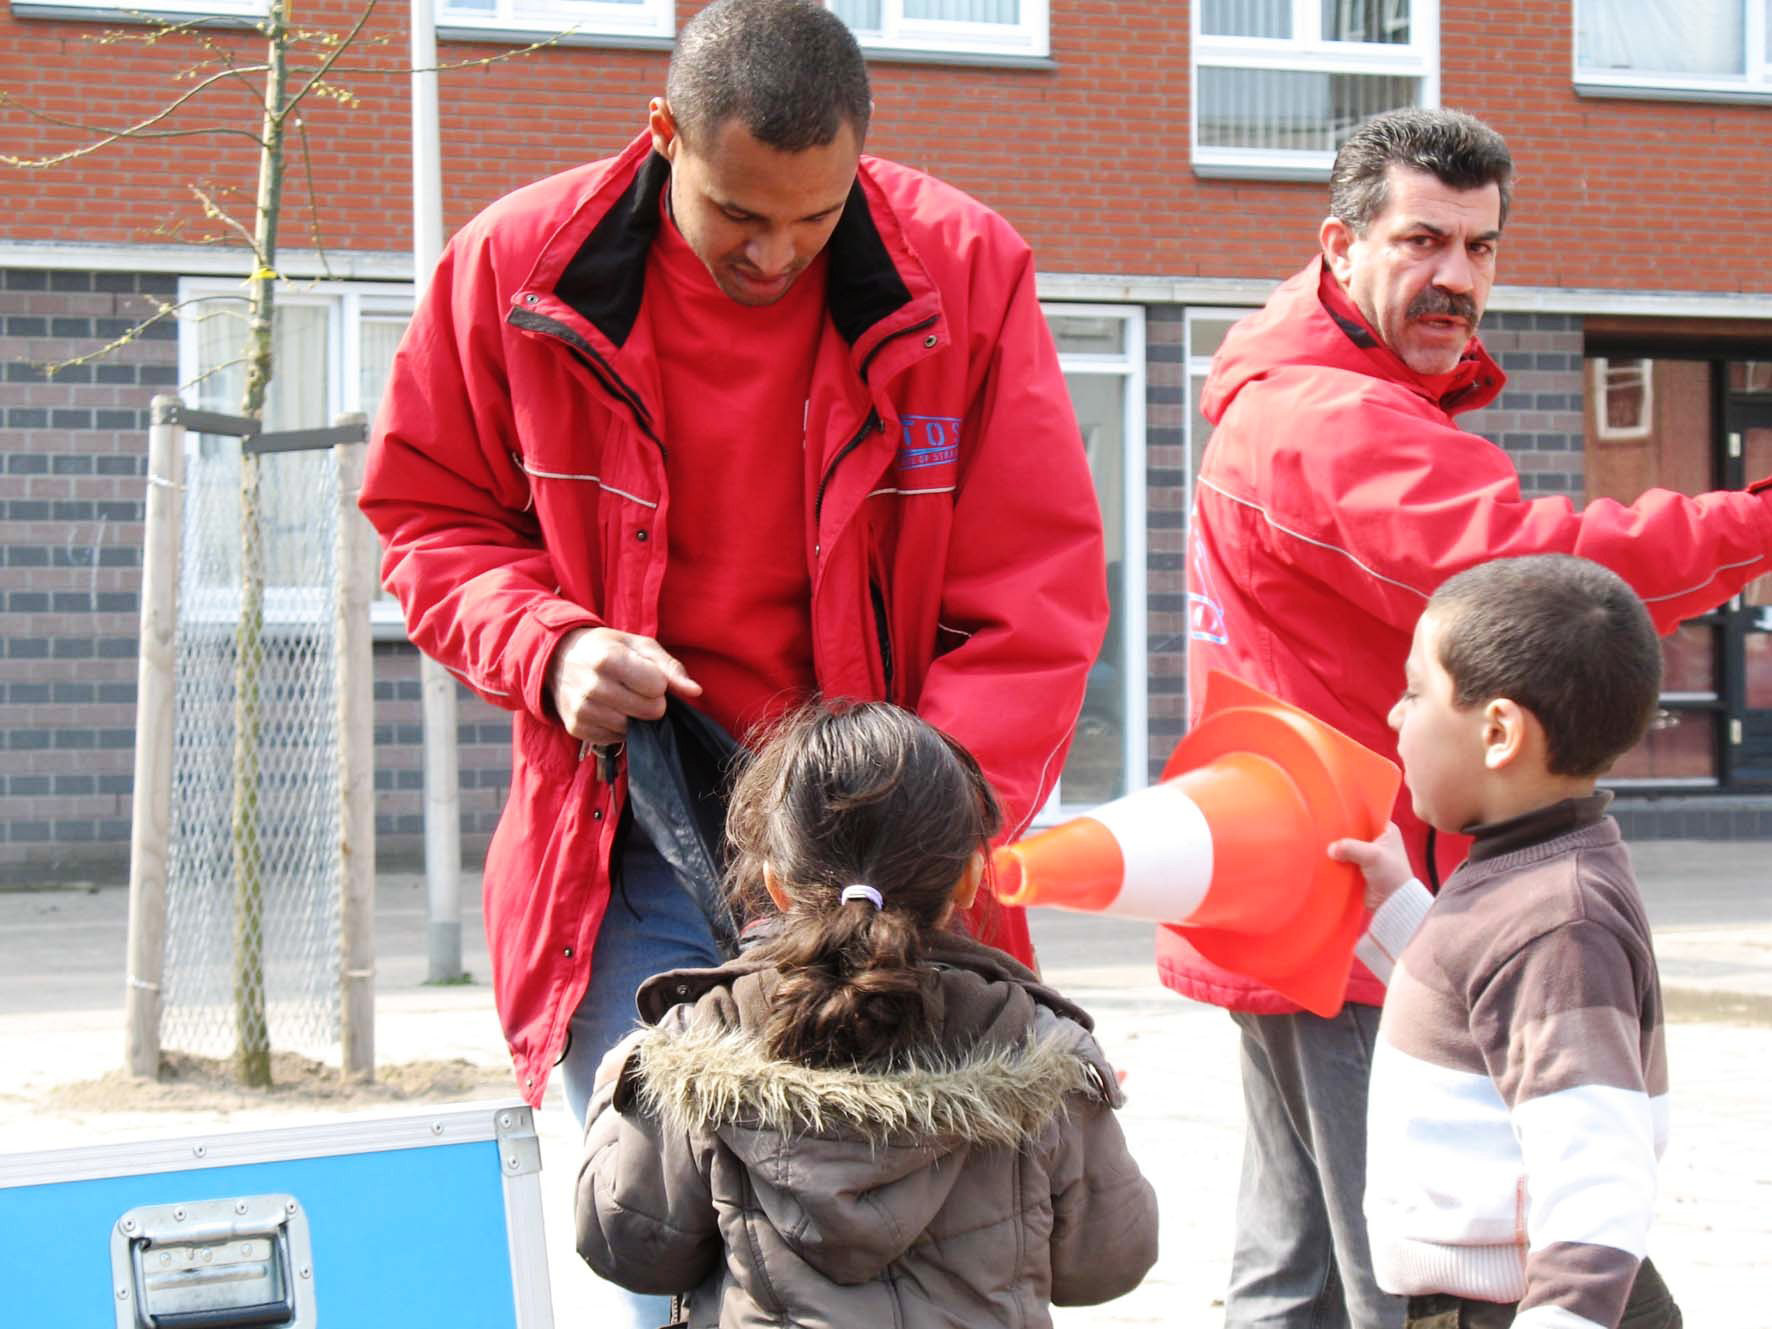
(599, 679)
(1384, 863)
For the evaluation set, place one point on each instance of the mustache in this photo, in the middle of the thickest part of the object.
(1433, 300)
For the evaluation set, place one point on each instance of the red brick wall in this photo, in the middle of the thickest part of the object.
(1090, 159)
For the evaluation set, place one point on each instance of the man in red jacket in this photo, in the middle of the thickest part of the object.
(735, 417)
(1335, 495)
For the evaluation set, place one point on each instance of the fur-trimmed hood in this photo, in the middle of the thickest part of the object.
(850, 1165)
(694, 1076)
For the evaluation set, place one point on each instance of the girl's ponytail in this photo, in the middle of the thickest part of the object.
(839, 796)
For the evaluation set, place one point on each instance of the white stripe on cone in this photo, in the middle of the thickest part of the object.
(1166, 842)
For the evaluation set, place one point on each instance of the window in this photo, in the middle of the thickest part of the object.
(1710, 49)
(1279, 84)
(1206, 329)
(1013, 28)
(1101, 350)
(1624, 400)
(333, 346)
(645, 19)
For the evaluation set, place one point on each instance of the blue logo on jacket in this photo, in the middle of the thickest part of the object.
(929, 440)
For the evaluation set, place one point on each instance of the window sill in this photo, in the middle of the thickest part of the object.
(1305, 171)
(1668, 92)
(199, 14)
(454, 30)
(905, 55)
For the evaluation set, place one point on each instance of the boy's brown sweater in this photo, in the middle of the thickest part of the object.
(1519, 1090)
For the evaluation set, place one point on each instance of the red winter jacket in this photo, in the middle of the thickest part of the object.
(518, 483)
(1337, 493)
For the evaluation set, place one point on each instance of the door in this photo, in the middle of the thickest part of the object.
(1748, 425)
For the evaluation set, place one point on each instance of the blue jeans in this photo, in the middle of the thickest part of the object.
(652, 926)
(1301, 1259)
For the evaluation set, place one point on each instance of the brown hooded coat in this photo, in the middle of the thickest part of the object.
(971, 1188)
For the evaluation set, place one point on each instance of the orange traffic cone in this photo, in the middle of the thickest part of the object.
(1230, 848)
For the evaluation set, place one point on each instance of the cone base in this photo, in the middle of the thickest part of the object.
(1349, 791)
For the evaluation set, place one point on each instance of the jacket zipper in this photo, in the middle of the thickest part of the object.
(587, 355)
(868, 426)
(872, 422)
(882, 631)
(892, 337)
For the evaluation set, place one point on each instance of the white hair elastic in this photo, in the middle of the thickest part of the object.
(861, 892)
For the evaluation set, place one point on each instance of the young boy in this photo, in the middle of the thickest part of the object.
(1519, 1088)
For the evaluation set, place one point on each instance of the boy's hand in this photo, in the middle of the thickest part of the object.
(1384, 863)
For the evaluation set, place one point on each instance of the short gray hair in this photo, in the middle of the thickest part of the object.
(789, 70)
(1457, 149)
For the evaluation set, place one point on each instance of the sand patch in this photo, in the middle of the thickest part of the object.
(188, 1082)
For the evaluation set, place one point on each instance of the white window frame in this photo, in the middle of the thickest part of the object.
(1603, 372)
(139, 11)
(649, 21)
(1753, 85)
(1195, 368)
(347, 304)
(1129, 366)
(1305, 52)
(1031, 38)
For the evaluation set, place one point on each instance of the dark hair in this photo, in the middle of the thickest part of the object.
(1457, 149)
(1561, 636)
(790, 70)
(848, 794)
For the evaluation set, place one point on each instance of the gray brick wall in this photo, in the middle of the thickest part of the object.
(72, 467)
(1166, 537)
(70, 555)
(1538, 417)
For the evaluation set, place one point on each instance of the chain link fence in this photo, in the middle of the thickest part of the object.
(252, 954)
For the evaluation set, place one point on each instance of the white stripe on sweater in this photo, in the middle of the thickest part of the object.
(1553, 1317)
(1394, 923)
(1590, 1154)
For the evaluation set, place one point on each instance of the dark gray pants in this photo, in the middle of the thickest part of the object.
(1651, 1306)
(1301, 1259)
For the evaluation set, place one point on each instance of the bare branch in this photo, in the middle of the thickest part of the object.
(141, 129)
(211, 372)
(133, 333)
(215, 212)
(502, 56)
(158, 29)
(332, 59)
(307, 164)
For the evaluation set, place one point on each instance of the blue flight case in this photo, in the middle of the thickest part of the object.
(422, 1219)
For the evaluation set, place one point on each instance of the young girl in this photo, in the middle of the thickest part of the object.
(868, 1119)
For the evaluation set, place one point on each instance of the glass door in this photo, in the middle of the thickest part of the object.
(1748, 423)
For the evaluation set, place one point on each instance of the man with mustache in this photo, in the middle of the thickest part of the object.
(1335, 495)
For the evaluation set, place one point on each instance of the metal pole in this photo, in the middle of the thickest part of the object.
(436, 687)
(355, 570)
(151, 821)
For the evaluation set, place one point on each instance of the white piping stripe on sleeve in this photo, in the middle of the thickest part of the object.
(945, 489)
(1335, 549)
(1726, 567)
(591, 479)
(1042, 791)
(478, 687)
(1320, 544)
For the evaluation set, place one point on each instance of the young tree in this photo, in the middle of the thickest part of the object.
(299, 67)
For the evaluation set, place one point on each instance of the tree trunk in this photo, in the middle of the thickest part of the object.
(252, 1056)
